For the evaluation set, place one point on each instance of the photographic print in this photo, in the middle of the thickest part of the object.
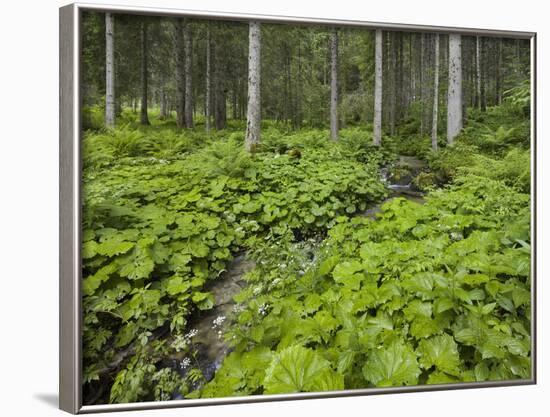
(287, 207)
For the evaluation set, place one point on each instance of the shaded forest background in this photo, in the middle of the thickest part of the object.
(159, 63)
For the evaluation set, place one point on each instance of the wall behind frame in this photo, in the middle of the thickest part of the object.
(29, 172)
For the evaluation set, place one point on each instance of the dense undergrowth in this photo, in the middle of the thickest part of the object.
(160, 222)
(430, 293)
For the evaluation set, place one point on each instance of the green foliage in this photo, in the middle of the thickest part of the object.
(431, 293)
(157, 230)
(297, 369)
(519, 98)
(394, 365)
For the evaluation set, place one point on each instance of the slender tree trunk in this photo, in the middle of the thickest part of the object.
(412, 73)
(483, 77)
(422, 87)
(334, 84)
(498, 75)
(478, 73)
(109, 71)
(377, 133)
(208, 98)
(436, 93)
(393, 81)
(402, 92)
(298, 113)
(180, 73)
(162, 99)
(253, 117)
(220, 108)
(144, 116)
(454, 94)
(188, 46)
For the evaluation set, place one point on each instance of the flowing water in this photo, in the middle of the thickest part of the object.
(404, 187)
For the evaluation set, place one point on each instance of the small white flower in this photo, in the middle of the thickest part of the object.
(262, 310)
(237, 308)
(218, 321)
(192, 333)
(185, 363)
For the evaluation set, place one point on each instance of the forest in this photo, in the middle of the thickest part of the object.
(276, 208)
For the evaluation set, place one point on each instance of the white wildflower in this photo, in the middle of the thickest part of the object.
(192, 333)
(185, 363)
(218, 321)
(262, 310)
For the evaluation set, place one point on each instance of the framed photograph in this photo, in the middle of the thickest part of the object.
(258, 208)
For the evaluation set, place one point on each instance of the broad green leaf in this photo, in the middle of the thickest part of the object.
(441, 352)
(298, 369)
(177, 285)
(392, 365)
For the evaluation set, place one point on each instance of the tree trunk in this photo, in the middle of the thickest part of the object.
(435, 93)
(334, 84)
(208, 97)
(253, 116)
(144, 116)
(454, 94)
(377, 131)
(478, 73)
(482, 75)
(422, 87)
(393, 81)
(162, 99)
(180, 74)
(498, 75)
(401, 80)
(188, 46)
(109, 71)
(220, 116)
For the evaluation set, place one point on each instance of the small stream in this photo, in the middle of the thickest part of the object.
(402, 187)
(208, 327)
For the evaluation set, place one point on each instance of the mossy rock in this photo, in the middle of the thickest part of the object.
(425, 181)
(400, 175)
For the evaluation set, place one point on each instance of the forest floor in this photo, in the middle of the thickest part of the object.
(348, 264)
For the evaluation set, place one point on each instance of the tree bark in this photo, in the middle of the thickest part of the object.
(498, 75)
(180, 73)
(144, 116)
(377, 131)
(422, 87)
(109, 71)
(454, 93)
(220, 108)
(253, 116)
(188, 47)
(208, 98)
(478, 74)
(334, 84)
(482, 75)
(435, 93)
(163, 99)
(393, 81)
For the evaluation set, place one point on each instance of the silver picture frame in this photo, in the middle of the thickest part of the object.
(70, 170)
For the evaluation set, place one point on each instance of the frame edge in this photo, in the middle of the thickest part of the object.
(70, 368)
(69, 311)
